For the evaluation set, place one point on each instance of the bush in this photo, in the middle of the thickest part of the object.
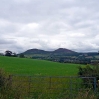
(10, 89)
(88, 94)
(90, 71)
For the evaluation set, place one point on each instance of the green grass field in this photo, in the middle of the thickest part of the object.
(36, 87)
(23, 66)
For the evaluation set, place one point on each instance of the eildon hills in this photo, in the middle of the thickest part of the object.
(62, 55)
(57, 51)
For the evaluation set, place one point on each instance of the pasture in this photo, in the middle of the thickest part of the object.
(25, 66)
(39, 79)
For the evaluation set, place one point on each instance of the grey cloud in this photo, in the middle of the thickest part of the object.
(49, 24)
(9, 44)
(7, 41)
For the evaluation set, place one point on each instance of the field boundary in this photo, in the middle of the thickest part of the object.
(58, 86)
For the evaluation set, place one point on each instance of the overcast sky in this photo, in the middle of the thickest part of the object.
(49, 24)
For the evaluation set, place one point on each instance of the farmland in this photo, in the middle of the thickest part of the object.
(24, 66)
(42, 80)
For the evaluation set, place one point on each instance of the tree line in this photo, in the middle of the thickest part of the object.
(13, 54)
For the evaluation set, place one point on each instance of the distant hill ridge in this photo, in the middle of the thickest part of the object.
(39, 51)
(63, 50)
(62, 55)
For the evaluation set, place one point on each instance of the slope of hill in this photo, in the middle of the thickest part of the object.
(25, 66)
(35, 51)
(63, 50)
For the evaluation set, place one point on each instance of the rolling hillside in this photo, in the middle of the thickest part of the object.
(57, 51)
(24, 66)
(63, 55)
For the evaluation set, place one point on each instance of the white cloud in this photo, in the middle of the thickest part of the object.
(77, 35)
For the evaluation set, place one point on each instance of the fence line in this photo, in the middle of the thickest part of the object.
(56, 85)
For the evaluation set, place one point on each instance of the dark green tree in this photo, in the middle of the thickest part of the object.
(21, 55)
(14, 54)
(8, 53)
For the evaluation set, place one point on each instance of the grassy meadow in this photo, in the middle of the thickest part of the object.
(49, 86)
(24, 66)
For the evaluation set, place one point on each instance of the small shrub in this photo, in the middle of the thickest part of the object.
(89, 71)
(10, 89)
(88, 94)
